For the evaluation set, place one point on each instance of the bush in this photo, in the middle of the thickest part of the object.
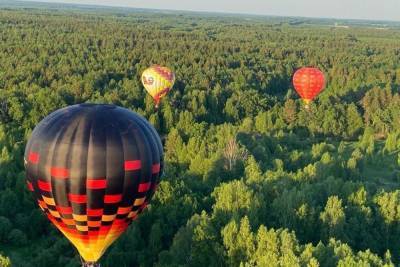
(4, 261)
(17, 238)
(5, 227)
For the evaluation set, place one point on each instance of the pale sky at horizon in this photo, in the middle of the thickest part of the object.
(354, 9)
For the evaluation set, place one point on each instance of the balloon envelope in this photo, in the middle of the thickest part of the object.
(93, 169)
(158, 81)
(308, 82)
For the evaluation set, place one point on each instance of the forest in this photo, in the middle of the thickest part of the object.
(251, 178)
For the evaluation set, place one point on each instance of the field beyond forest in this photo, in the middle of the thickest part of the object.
(252, 178)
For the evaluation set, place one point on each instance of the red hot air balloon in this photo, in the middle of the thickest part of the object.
(308, 82)
(93, 169)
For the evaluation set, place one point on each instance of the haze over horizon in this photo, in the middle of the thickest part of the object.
(341, 9)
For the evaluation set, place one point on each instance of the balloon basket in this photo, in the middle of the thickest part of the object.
(90, 264)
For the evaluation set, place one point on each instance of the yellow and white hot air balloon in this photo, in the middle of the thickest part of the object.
(158, 81)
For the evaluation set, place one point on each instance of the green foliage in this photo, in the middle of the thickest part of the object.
(334, 217)
(4, 261)
(252, 178)
(5, 228)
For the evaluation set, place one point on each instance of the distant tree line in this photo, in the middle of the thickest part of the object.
(252, 178)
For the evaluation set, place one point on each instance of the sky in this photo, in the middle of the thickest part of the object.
(353, 9)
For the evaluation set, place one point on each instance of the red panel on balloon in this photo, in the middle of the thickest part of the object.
(33, 158)
(308, 82)
(133, 165)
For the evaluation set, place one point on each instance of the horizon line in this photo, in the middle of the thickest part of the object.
(105, 6)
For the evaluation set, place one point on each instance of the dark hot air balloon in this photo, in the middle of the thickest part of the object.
(93, 169)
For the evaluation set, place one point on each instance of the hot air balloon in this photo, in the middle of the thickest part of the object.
(158, 81)
(93, 169)
(308, 82)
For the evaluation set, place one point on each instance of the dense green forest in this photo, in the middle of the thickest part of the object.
(252, 178)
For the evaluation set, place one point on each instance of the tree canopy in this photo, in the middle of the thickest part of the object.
(252, 177)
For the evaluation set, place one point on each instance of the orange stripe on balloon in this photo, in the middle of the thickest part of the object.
(124, 210)
(70, 222)
(42, 204)
(94, 223)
